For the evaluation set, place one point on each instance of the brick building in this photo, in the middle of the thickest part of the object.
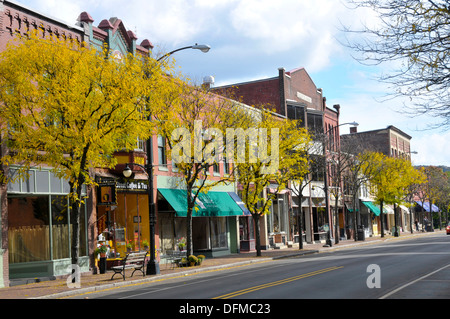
(294, 95)
(390, 141)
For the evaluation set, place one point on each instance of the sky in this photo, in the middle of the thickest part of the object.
(251, 39)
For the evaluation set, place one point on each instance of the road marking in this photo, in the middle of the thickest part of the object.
(276, 283)
(413, 282)
(146, 281)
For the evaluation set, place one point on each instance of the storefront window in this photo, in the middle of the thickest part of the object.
(171, 230)
(218, 232)
(246, 228)
(39, 224)
(209, 233)
(29, 229)
(131, 222)
(60, 227)
(278, 216)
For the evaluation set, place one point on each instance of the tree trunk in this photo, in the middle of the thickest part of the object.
(300, 224)
(381, 219)
(189, 247)
(75, 221)
(396, 233)
(355, 218)
(336, 222)
(75, 206)
(257, 234)
(75, 210)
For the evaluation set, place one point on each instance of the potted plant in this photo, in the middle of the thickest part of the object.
(101, 250)
(145, 244)
(129, 246)
(200, 259)
(192, 260)
(181, 243)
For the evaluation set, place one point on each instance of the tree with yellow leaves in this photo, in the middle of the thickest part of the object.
(195, 123)
(390, 179)
(282, 147)
(69, 107)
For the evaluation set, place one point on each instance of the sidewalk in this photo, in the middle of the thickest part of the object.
(58, 288)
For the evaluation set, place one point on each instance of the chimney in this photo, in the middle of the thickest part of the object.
(353, 130)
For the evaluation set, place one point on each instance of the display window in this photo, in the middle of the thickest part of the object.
(126, 228)
(39, 226)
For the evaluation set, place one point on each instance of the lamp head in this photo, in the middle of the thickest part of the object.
(127, 171)
(202, 47)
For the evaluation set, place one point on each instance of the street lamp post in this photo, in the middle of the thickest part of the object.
(202, 47)
(153, 265)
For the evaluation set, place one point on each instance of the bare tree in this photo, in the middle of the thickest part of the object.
(413, 35)
(356, 171)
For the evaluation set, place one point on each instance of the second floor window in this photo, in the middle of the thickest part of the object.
(162, 158)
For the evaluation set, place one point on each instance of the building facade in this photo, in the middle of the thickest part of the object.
(392, 142)
(294, 95)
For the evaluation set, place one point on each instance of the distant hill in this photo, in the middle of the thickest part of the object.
(444, 168)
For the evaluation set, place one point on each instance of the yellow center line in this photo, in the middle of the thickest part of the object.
(275, 283)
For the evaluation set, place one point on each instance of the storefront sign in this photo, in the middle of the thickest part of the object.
(106, 194)
(134, 186)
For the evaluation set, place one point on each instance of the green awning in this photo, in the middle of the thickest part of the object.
(207, 205)
(374, 208)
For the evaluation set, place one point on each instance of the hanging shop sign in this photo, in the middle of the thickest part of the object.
(106, 194)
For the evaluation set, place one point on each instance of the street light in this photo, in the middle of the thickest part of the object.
(153, 265)
(202, 47)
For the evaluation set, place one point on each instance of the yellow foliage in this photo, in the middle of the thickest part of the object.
(283, 159)
(71, 107)
(390, 178)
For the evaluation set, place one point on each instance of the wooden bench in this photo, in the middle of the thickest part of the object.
(135, 260)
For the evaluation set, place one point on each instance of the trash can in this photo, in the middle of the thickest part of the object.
(102, 265)
(360, 233)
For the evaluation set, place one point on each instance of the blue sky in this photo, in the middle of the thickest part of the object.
(251, 39)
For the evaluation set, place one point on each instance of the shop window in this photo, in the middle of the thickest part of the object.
(209, 233)
(246, 228)
(131, 223)
(39, 227)
(219, 233)
(29, 229)
(60, 227)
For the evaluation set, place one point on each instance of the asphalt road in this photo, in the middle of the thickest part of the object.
(398, 269)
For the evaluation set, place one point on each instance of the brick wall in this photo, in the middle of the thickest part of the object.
(17, 20)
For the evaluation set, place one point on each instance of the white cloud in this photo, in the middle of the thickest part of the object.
(304, 28)
(432, 149)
